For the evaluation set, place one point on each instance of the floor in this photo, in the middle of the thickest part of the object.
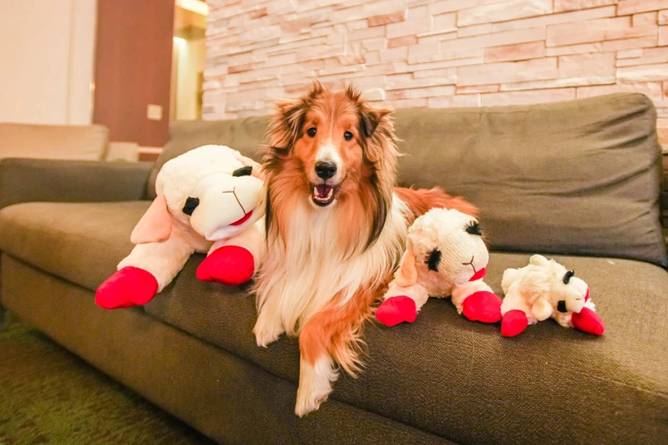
(48, 395)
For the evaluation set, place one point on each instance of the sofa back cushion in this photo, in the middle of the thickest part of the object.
(579, 177)
(81, 142)
(245, 135)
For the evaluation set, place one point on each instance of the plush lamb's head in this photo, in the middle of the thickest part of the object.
(213, 189)
(443, 246)
(565, 291)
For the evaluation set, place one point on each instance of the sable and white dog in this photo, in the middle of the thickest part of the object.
(336, 228)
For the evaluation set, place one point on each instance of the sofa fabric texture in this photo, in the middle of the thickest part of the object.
(53, 141)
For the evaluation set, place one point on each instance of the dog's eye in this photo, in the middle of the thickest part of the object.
(312, 131)
(347, 135)
(473, 228)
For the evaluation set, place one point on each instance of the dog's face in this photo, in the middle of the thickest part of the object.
(329, 147)
(327, 136)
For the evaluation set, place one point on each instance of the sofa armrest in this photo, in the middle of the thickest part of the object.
(25, 180)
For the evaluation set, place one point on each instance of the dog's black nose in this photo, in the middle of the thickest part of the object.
(325, 169)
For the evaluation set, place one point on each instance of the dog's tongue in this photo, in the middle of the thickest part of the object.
(323, 190)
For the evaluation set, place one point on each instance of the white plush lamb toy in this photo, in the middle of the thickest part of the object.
(209, 199)
(445, 256)
(544, 289)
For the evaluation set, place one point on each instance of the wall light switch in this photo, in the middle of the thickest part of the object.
(154, 112)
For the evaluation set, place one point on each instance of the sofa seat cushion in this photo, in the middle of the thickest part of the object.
(81, 242)
(462, 380)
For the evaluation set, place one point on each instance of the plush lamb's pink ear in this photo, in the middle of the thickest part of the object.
(155, 225)
(407, 273)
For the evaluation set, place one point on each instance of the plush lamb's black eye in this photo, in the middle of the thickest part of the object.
(243, 171)
(347, 135)
(561, 306)
(312, 131)
(190, 205)
(568, 275)
(433, 260)
(473, 228)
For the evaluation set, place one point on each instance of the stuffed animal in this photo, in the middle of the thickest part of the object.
(445, 256)
(209, 199)
(544, 289)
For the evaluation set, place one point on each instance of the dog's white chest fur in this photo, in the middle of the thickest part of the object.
(299, 279)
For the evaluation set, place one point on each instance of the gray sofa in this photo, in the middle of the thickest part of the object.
(579, 181)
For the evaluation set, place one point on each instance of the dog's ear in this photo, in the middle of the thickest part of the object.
(406, 275)
(156, 224)
(370, 119)
(288, 120)
(286, 125)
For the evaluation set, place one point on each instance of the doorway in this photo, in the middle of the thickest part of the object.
(188, 59)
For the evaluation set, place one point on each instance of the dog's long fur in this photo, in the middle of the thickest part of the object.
(325, 266)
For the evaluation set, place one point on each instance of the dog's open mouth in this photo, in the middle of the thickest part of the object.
(323, 194)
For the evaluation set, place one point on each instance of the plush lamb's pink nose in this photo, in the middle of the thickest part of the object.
(479, 274)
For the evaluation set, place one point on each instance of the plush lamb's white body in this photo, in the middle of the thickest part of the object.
(546, 289)
(209, 199)
(445, 256)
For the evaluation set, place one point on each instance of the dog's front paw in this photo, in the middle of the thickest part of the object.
(315, 384)
(267, 332)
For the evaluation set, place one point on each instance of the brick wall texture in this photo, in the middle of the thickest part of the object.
(435, 53)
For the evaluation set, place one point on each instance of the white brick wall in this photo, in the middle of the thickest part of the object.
(438, 53)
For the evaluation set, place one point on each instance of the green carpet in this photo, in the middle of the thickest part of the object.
(48, 395)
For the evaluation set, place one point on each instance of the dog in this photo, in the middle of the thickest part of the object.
(336, 227)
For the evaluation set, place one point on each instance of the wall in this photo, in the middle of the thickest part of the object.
(46, 48)
(436, 53)
(133, 68)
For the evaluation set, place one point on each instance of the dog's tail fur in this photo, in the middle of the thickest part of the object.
(419, 201)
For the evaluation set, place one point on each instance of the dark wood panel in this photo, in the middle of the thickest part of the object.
(133, 68)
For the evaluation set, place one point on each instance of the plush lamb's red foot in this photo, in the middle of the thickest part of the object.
(588, 321)
(513, 323)
(482, 306)
(395, 310)
(230, 265)
(127, 287)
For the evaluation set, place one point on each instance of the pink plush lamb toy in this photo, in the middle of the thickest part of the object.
(445, 256)
(209, 199)
(544, 289)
